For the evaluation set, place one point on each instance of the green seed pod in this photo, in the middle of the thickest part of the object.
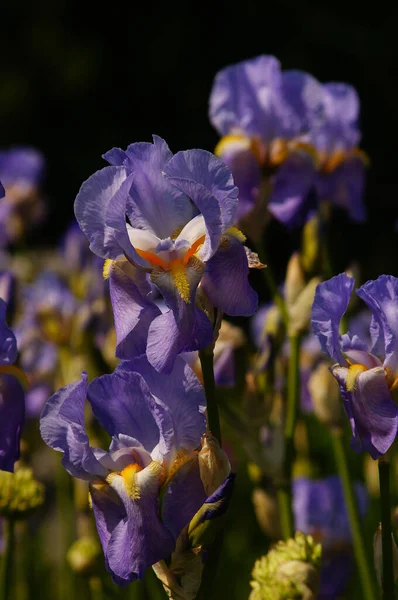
(290, 571)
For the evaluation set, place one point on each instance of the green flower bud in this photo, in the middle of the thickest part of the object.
(20, 493)
(310, 251)
(82, 556)
(290, 571)
(267, 512)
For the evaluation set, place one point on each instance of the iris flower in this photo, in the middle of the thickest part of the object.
(172, 217)
(147, 488)
(320, 511)
(12, 403)
(367, 376)
(21, 173)
(286, 126)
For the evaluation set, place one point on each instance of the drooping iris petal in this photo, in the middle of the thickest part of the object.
(209, 184)
(154, 204)
(330, 303)
(146, 540)
(109, 512)
(62, 428)
(246, 170)
(181, 392)
(291, 187)
(344, 187)
(182, 497)
(95, 198)
(374, 415)
(182, 328)
(381, 296)
(12, 416)
(8, 344)
(133, 311)
(225, 281)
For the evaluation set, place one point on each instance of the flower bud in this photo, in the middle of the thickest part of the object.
(20, 493)
(82, 556)
(325, 396)
(300, 310)
(378, 555)
(209, 519)
(294, 280)
(310, 252)
(267, 512)
(214, 465)
(289, 570)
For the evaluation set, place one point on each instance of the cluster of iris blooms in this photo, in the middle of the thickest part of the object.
(128, 314)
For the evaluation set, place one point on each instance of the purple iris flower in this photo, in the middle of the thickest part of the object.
(366, 375)
(172, 217)
(147, 487)
(12, 403)
(264, 114)
(320, 511)
(21, 173)
(286, 119)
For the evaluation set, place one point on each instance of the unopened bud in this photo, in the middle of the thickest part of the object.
(310, 252)
(214, 465)
(83, 555)
(294, 281)
(378, 555)
(289, 570)
(325, 396)
(300, 311)
(267, 512)
(20, 493)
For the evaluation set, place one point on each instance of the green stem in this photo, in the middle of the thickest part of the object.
(361, 556)
(66, 524)
(213, 419)
(386, 534)
(271, 282)
(293, 396)
(8, 560)
(95, 585)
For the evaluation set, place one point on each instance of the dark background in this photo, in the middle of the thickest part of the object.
(78, 78)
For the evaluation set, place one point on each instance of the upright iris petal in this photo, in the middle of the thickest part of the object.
(366, 380)
(169, 216)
